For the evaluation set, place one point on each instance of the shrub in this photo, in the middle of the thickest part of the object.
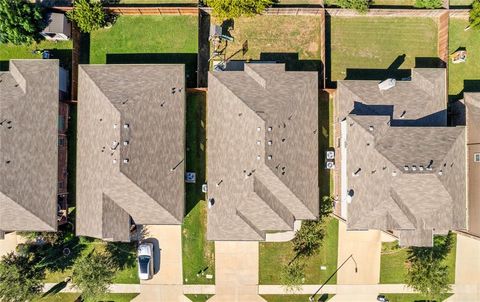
(88, 15)
(474, 18)
(358, 5)
(227, 9)
(431, 4)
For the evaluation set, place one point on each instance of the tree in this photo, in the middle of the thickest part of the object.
(20, 278)
(88, 15)
(20, 22)
(474, 18)
(293, 275)
(427, 272)
(431, 4)
(326, 206)
(93, 275)
(358, 5)
(308, 239)
(227, 9)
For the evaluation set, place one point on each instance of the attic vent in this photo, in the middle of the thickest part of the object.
(269, 157)
(420, 168)
(387, 84)
(126, 160)
(357, 173)
(258, 157)
(270, 143)
(126, 126)
(394, 173)
(114, 161)
(440, 172)
(403, 114)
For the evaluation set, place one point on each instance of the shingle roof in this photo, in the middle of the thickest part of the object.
(130, 148)
(29, 99)
(262, 165)
(409, 179)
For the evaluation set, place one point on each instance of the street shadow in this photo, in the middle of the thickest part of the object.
(189, 59)
(293, 63)
(156, 254)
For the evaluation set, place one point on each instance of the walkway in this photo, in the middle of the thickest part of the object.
(236, 272)
(365, 246)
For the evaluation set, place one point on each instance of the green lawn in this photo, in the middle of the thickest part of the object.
(72, 297)
(193, 2)
(296, 298)
(294, 40)
(411, 298)
(59, 50)
(198, 298)
(198, 253)
(124, 253)
(393, 263)
(148, 39)
(359, 43)
(274, 255)
(460, 3)
(463, 76)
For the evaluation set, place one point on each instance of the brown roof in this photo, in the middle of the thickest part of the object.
(130, 148)
(262, 165)
(472, 102)
(29, 145)
(408, 179)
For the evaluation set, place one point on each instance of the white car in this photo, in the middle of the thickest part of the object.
(145, 260)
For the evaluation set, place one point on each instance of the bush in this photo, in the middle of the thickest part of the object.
(88, 15)
(358, 5)
(227, 9)
(431, 4)
(20, 22)
(293, 275)
(309, 238)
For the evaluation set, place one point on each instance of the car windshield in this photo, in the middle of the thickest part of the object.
(143, 262)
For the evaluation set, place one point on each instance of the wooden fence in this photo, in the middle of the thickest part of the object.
(143, 10)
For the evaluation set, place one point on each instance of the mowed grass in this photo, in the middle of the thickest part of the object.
(72, 297)
(375, 42)
(275, 255)
(394, 265)
(60, 50)
(461, 2)
(463, 76)
(296, 298)
(278, 38)
(198, 297)
(198, 253)
(412, 298)
(148, 39)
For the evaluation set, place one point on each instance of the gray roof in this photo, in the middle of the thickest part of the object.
(262, 165)
(58, 23)
(404, 177)
(29, 99)
(472, 102)
(130, 148)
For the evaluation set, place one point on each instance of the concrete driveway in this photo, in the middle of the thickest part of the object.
(236, 272)
(365, 246)
(167, 282)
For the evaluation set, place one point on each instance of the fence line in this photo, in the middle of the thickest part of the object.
(142, 10)
(459, 13)
(377, 12)
(442, 39)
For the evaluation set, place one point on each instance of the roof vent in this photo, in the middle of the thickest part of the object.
(270, 143)
(258, 129)
(357, 173)
(414, 168)
(394, 173)
(406, 168)
(269, 157)
(126, 160)
(114, 126)
(269, 129)
(420, 168)
(370, 128)
(126, 126)
(125, 143)
(258, 157)
(258, 142)
(387, 84)
(440, 172)
(114, 161)
(403, 114)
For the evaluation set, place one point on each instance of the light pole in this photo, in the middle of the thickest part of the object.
(312, 297)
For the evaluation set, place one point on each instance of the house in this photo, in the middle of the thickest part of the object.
(59, 28)
(472, 102)
(29, 147)
(262, 143)
(130, 148)
(402, 169)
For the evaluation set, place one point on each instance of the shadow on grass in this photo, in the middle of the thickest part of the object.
(123, 254)
(55, 289)
(196, 136)
(189, 59)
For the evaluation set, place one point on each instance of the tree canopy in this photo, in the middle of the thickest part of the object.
(227, 9)
(20, 21)
(431, 4)
(358, 5)
(93, 274)
(308, 239)
(427, 272)
(88, 15)
(292, 275)
(474, 18)
(20, 278)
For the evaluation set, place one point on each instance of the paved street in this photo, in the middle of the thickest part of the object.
(236, 271)
(365, 246)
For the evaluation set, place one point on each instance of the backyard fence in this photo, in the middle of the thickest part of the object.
(179, 11)
(442, 46)
(459, 13)
(376, 12)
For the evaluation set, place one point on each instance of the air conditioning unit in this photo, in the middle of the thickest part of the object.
(330, 154)
(330, 165)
